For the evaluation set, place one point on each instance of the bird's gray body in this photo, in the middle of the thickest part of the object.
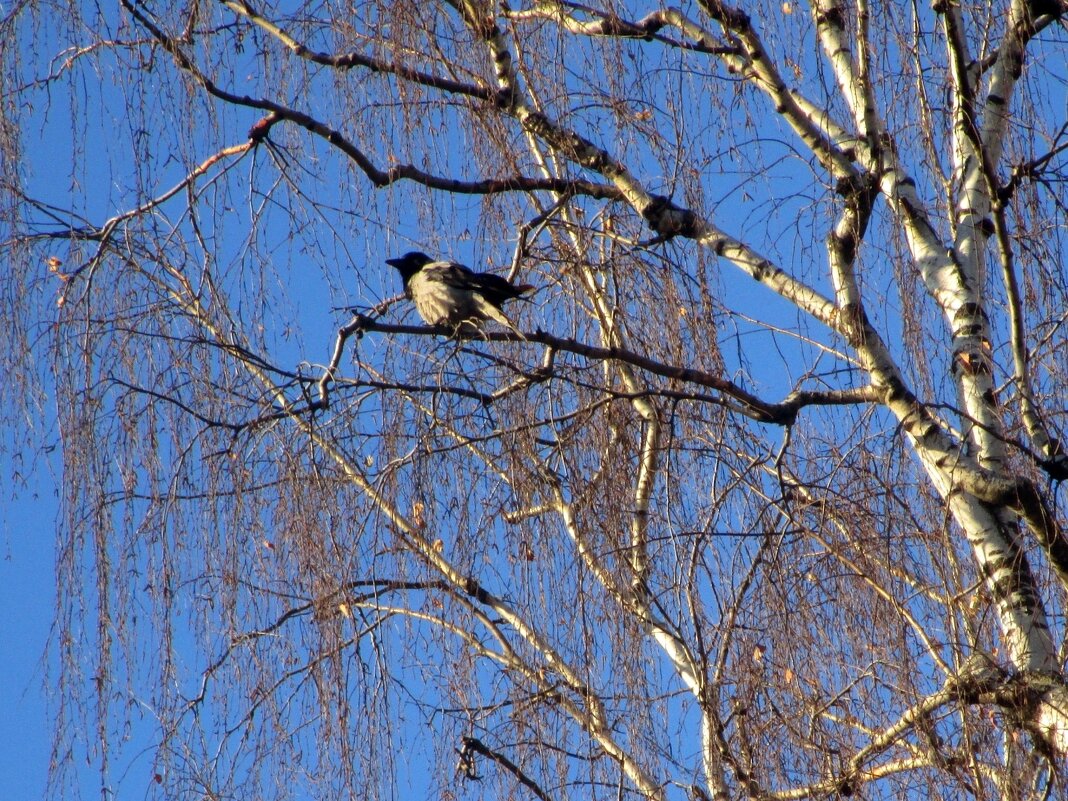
(448, 294)
(440, 301)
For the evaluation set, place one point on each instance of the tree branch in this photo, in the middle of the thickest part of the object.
(354, 59)
(473, 744)
(379, 178)
(737, 399)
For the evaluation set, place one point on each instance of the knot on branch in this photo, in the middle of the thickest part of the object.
(614, 25)
(1042, 8)
(466, 763)
(730, 17)
(670, 220)
(506, 98)
(359, 325)
(977, 675)
(833, 16)
(258, 132)
(860, 186)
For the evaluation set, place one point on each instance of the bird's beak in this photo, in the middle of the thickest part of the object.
(394, 262)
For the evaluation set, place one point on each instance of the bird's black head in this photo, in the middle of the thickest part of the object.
(409, 264)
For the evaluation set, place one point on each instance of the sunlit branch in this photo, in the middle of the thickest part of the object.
(589, 714)
(636, 553)
(610, 24)
(801, 491)
(979, 681)
(846, 786)
(844, 241)
(662, 214)
(306, 669)
(755, 65)
(978, 147)
(983, 194)
(1033, 169)
(715, 739)
(852, 77)
(173, 401)
(381, 587)
(104, 233)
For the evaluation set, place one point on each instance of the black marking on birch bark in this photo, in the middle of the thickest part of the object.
(970, 319)
(733, 18)
(670, 220)
(847, 185)
(897, 391)
(845, 245)
(763, 269)
(927, 434)
(854, 324)
(832, 16)
(476, 591)
(997, 570)
(614, 25)
(506, 98)
(575, 147)
(1042, 8)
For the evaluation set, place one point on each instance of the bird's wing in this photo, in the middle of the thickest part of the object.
(495, 288)
(452, 273)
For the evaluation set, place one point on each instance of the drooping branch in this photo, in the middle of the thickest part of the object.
(353, 59)
(379, 177)
(496, 613)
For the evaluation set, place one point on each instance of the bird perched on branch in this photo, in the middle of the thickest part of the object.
(449, 294)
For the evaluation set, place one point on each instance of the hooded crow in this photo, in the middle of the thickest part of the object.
(449, 294)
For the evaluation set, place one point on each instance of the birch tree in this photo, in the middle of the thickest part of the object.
(764, 502)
